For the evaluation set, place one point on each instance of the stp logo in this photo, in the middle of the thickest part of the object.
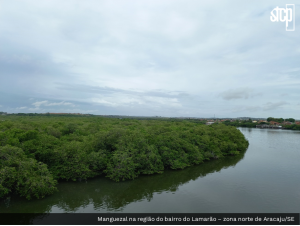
(286, 15)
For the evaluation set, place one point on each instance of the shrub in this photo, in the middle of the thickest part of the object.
(23, 175)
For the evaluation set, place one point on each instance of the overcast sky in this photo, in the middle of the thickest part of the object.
(149, 58)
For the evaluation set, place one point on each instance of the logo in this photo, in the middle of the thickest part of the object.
(286, 15)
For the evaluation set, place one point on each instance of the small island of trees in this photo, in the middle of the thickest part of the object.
(36, 152)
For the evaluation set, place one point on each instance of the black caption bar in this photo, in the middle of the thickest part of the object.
(151, 219)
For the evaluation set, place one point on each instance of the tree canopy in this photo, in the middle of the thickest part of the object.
(290, 120)
(280, 120)
(36, 152)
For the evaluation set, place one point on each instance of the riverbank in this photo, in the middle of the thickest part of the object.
(261, 125)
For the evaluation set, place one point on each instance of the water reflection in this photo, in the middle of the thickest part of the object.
(104, 195)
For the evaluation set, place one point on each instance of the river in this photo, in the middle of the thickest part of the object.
(263, 179)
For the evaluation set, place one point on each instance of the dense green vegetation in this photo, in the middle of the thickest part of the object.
(290, 120)
(244, 123)
(292, 127)
(36, 151)
(28, 177)
(280, 120)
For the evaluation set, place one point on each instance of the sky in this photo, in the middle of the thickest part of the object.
(173, 58)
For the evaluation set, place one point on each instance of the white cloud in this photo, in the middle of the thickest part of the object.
(62, 103)
(240, 93)
(39, 103)
(46, 103)
(137, 101)
(104, 102)
(220, 56)
(246, 109)
(20, 108)
(271, 106)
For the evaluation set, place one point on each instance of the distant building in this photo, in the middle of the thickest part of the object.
(262, 121)
(274, 123)
(209, 123)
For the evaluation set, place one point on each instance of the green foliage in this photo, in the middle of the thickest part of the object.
(69, 162)
(292, 127)
(244, 123)
(121, 166)
(69, 128)
(28, 135)
(280, 120)
(290, 120)
(46, 149)
(53, 131)
(23, 175)
(8, 138)
(8, 124)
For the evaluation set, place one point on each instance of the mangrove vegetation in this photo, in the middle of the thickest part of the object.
(37, 152)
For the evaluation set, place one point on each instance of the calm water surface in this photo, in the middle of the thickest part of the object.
(264, 179)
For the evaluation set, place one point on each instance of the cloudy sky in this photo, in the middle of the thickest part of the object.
(149, 57)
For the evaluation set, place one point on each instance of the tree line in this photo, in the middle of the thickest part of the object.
(280, 120)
